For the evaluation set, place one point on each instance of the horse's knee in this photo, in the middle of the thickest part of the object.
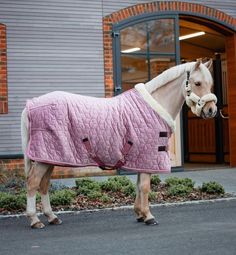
(32, 189)
(145, 187)
(144, 184)
(45, 181)
(33, 184)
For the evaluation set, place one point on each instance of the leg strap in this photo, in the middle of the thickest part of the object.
(91, 154)
(100, 163)
(125, 152)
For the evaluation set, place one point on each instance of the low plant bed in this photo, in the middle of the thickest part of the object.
(114, 192)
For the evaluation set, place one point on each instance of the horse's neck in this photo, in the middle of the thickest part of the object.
(170, 96)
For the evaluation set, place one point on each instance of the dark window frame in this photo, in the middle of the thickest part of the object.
(117, 47)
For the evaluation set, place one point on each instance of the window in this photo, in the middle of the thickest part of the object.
(146, 49)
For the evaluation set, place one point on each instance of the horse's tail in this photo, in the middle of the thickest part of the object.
(25, 139)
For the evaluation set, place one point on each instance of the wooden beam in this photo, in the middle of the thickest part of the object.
(189, 51)
(198, 27)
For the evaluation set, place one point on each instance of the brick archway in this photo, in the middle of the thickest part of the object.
(160, 7)
(222, 21)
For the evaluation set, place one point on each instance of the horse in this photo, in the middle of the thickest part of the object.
(191, 82)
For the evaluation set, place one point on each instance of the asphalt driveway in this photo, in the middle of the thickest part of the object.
(207, 228)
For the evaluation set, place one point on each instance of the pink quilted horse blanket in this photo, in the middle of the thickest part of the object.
(126, 131)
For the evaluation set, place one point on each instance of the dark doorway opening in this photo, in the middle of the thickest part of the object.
(206, 141)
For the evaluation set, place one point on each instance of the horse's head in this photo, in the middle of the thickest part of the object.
(198, 90)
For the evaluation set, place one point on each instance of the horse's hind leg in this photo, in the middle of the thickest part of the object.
(137, 203)
(145, 188)
(47, 209)
(34, 178)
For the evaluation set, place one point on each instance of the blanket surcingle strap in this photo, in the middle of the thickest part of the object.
(121, 162)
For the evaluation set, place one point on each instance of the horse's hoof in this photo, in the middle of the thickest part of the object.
(141, 219)
(55, 221)
(151, 222)
(38, 225)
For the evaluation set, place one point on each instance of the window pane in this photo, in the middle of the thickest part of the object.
(139, 43)
(162, 36)
(134, 70)
(134, 37)
(160, 64)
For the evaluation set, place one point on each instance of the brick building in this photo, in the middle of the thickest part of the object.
(81, 47)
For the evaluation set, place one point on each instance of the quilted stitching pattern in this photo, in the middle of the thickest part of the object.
(59, 122)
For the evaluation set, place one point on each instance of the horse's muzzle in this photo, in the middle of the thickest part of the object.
(209, 110)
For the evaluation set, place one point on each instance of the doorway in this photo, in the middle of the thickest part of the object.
(148, 45)
(205, 141)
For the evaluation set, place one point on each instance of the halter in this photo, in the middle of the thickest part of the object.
(193, 99)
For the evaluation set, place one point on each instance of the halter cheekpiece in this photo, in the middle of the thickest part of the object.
(193, 99)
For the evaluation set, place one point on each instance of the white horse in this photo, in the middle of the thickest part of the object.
(191, 82)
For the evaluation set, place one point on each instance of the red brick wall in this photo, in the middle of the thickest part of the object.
(11, 164)
(159, 6)
(3, 71)
(58, 172)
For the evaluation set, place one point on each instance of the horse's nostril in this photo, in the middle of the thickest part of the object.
(210, 110)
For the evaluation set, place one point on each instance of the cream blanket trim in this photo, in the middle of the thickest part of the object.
(155, 106)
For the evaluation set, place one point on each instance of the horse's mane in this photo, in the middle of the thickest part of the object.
(169, 75)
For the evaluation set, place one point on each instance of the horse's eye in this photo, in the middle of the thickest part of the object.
(197, 84)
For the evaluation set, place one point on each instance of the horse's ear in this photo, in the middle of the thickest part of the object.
(208, 64)
(198, 63)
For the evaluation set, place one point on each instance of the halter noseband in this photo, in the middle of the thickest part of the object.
(193, 99)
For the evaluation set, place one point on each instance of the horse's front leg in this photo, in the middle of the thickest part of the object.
(145, 188)
(137, 203)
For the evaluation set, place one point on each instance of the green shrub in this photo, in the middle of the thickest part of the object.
(15, 183)
(152, 196)
(94, 195)
(86, 186)
(11, 181)
(129, 190)
(38, 197)
(179, 190)
(118, 183)
(3, 188)
(173, 181)
(11, 201)
(111, 185)
(83, 182)
(62, 197)
(56, 186)
(155, 180)
(105, 198)
(212, 188)
(123, 180)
